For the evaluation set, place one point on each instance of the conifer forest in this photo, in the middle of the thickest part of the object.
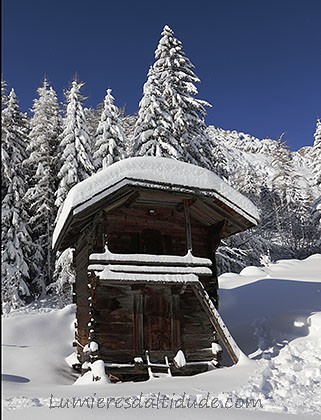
(48, 150)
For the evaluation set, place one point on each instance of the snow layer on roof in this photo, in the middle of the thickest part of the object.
(149, 170)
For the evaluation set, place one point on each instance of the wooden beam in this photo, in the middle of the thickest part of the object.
(188, 228)
(226, 212)
(214, 238)
(217, 322)
(132, 198)
(138, 330)
(175, 321)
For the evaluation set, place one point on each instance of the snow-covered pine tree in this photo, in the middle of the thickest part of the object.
(176, 81)
(76, 164)
(92, 117)
(45, 127)
(246, 180)
(316, 155)
(4, 103)
(316, 222)
(291, 199)
(63, 279)
(75, 152)
(221, 160)
(281, 164)
(16, 243)
(153, 135)
(110, 139)
(128, 123)
(266, 203)
(250, 245)
(171, 120)
(4, 96)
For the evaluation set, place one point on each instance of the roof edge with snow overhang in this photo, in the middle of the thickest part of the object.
(151, 172)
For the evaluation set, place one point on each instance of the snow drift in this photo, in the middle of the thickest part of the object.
(274, 313)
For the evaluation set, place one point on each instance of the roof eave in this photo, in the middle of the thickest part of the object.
(128, 181)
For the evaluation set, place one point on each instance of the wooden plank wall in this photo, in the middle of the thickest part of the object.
(120, 224)
(114, 323)
(156, 318)
(196, 329)
(124, 226)
(119, 310)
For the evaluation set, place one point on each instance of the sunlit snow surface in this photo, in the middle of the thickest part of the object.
(273, 312)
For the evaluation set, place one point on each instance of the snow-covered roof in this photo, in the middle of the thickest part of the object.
(152, 172)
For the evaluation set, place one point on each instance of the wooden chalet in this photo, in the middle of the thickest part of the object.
(144, 233)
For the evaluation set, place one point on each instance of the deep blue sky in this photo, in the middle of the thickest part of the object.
(259, 61)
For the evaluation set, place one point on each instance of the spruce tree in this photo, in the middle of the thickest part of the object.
(16, 245)
(4, 96)
(316, 222)
(128, 124)
(76, 164)
(218, 156)
(63, 278)
(110, 139)
(45, 127)
(92, 116)
(4, 103)
(171, 120)
(316, 170)
(75, 151)
(177, 80)
(154, 126)
(316, 155)
(290, 199)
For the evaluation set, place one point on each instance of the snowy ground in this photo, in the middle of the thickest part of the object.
(273, 312)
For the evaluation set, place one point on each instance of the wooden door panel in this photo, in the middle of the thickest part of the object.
(157, 320)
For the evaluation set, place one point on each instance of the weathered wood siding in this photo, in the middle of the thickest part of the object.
(114, 323)
(124, 230)
(196, 329)
(132, 319)
(125, 227)
(135, 230)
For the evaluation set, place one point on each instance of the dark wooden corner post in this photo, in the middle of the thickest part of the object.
(138, 324)
(188, 228)
(175, 320)
(214, 239)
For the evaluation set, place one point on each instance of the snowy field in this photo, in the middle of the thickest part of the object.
(274, 314)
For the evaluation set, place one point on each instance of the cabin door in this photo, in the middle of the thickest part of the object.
(157, 319)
